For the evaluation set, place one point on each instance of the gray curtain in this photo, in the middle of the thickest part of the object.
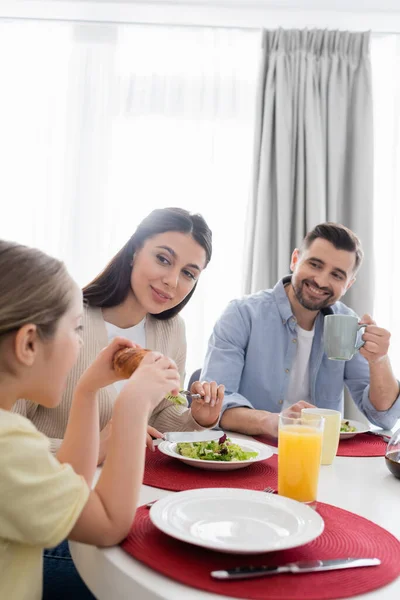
(313, 151)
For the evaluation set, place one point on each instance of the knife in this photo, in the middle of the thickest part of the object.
(193, 436)
(305, 566)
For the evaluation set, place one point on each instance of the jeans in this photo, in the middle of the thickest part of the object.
(61, 580)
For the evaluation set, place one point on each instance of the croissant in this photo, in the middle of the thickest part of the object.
(127, 360)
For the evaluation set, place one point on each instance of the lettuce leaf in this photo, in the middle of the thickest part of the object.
(214, 450)
(178, 400)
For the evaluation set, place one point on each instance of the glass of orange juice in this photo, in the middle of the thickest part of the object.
(299, 457)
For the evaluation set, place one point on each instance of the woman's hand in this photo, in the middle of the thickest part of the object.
(206, 410)
(101, 372)
(155, 377)
(152, 433)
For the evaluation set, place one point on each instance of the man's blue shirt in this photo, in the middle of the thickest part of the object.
(252, 350)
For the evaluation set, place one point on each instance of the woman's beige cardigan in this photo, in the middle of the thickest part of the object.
(167, 337)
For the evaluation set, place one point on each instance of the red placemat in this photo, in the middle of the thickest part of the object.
(345, 534)
(362, 444)
(171, 474)
(266, 439)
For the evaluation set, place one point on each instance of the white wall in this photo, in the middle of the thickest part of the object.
(356, 15)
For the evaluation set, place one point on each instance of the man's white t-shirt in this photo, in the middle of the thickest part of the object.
(299, 382)
(136, 334)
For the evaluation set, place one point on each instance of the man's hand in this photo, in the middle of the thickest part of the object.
(258, 422)
(294, 412)
(206, 410)
(376, 340)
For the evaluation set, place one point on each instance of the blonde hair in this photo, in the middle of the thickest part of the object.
(34, 288)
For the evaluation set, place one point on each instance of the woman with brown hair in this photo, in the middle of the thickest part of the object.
(139, 295)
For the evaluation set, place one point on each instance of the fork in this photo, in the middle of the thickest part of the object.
(189, 394)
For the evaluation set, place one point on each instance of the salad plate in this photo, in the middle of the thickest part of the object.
(260, 451)
(236, 520)
(354, 428)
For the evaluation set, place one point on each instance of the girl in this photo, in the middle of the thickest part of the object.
(44, 499)
(139, 295)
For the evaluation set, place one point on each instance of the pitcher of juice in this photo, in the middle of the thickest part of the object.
(299, 457)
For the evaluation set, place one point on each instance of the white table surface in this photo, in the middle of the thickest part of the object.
(361, 485)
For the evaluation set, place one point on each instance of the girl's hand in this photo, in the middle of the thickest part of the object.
(206, 409)
(101, 372)
(155, 377)
(105, 436)
(152, 433)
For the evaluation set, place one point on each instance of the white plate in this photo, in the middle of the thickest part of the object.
(361, 428)
(236, 521)
(170, 449)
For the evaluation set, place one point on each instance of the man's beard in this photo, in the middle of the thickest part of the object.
(308, 303)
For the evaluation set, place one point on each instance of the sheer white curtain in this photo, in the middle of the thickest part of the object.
(102, 123)
(385, 54)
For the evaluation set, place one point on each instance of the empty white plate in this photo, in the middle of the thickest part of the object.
(170, 449)
(235, 520)
(361, 428)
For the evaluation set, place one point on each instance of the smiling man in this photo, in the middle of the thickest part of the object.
(267, 348)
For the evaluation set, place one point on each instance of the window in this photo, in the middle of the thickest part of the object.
(386, 88)
(102, 123)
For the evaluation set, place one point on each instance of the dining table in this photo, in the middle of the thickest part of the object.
(362, 485)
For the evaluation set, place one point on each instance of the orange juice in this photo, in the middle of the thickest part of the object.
(299, 458)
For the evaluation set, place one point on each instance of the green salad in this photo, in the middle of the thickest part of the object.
(179, 400)
(221, 449)
(345, 427)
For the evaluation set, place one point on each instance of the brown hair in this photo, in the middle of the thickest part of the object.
(340, 237)
(35, 288)
(112, 285)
